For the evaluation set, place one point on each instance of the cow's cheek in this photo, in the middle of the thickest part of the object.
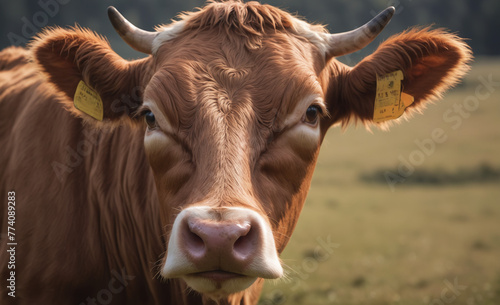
(304, 141)
(162, 151)
(171, 167)
(284, 178)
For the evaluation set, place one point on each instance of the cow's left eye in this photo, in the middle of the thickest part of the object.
(312, 114)
(150, 119)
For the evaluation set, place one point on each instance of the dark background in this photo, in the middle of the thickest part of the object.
(479, 21)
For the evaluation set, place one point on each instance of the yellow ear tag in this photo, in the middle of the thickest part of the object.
(390, 102)
(88, 101)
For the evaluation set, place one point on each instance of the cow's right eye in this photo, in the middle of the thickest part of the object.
(312, 114)
(150, 119)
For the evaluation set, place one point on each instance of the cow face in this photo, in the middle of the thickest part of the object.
(232, 138)
(235, 103)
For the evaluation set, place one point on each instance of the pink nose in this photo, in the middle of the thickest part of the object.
(218, 243)
(213, 243)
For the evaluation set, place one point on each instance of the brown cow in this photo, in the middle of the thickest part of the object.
(195, 178)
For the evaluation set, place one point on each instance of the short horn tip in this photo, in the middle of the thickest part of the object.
(388, 13)
(112, 11)
(117, 20)
(138, 39)
(381, 20)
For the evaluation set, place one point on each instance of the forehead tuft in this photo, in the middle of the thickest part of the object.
(250, 21)
(241, 18)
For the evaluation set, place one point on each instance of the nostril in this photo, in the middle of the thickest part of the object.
(193, 241)
(246, 244)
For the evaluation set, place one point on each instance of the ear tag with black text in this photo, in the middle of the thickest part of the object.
(390, 101)
(88, 101)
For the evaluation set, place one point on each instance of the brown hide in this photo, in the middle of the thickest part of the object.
(95, 206)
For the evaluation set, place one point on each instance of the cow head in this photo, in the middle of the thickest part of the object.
(235, 100)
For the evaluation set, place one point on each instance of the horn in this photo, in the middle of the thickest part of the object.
(138, 39)
(352, 41)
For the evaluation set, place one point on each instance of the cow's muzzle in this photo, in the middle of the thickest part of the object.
(220, 251)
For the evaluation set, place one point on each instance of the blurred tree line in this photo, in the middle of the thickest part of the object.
(477, 20)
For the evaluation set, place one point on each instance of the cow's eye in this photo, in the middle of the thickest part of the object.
(150, 119)
(312, 114)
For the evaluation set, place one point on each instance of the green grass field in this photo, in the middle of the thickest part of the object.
(417, 243)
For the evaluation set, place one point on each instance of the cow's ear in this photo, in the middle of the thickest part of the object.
(431, 62)
(71, 56)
